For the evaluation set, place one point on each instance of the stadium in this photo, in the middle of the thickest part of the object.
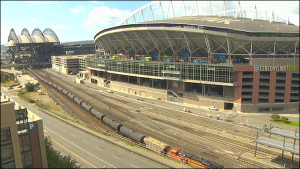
(38, 47)
(236, 57)
(34, 48)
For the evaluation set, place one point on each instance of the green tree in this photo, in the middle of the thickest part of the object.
(29, 87)
(284, 119)
(55, 160)
(275, 117)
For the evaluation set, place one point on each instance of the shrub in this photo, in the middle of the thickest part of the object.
(275, 117)
(29, 87)
(55, 159)
(18, 67)
(284, 119)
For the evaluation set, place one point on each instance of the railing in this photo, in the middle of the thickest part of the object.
(172, 98)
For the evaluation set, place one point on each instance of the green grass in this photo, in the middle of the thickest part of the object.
(42, 106)
(22, 95)
(290, 123)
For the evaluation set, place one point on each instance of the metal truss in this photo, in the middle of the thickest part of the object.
(162, 9)
(197, 44)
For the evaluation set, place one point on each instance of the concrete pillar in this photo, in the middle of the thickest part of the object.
(152, 82)
(272, 87)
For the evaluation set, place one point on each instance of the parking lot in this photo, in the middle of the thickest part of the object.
(22, 79)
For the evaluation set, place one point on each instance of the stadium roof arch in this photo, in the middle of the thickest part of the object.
(37, 36)
(202, 29)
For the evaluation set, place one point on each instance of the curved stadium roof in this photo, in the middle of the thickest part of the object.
(37, 36)
(205, 30)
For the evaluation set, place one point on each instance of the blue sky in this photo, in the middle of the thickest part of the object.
(80, 20)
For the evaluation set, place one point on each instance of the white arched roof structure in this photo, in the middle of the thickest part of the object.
(37, 36)
(171, 9)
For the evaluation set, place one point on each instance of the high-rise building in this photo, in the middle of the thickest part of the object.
(22, 138)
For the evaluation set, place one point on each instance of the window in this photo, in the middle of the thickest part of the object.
(177, 84)
(5, 135)
(6, 153)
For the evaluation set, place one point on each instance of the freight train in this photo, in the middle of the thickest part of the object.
(151, 143)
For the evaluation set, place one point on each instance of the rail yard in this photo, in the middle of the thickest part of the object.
(219, 142)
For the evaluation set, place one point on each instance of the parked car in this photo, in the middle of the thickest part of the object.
(186, 110)
(212, 108)
(139, 99)
(109, 91)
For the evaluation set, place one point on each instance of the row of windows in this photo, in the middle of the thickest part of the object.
(189, 71)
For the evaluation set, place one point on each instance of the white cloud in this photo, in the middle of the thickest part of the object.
(34, 20)
(103, 17)
(60, 26)
(78, 9)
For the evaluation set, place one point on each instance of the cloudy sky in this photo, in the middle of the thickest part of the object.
(81, 20)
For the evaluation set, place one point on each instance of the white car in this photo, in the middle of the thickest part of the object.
(109, 91)
(213, 108)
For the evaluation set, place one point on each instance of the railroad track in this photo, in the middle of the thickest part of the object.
(244, 146)
(191, 146)
(230, 142)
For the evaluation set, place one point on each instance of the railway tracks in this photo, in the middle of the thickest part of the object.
(191, 144)
(243, 146)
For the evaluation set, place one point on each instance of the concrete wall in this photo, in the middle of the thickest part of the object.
(139, 90)
(133, 89)
(228, 91)
(287, 107)
(277, 61)
(206, 101)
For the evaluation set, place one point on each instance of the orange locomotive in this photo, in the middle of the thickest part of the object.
(191, 159)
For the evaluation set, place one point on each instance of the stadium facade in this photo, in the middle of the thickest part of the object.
(225, 59)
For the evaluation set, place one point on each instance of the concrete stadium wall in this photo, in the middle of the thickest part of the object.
(287, 107)
(139, 90)
(200, 100)
(133, 89)
(277, 61)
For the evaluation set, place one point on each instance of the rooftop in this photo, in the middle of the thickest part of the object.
(229, 22)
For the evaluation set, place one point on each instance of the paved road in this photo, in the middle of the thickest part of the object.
(87, 150)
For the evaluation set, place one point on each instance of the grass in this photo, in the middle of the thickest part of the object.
(41, 105)
(290, 123)
(22, 95)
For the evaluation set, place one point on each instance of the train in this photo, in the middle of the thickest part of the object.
(150, 142)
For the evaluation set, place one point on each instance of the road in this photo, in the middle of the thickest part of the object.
(87, 150)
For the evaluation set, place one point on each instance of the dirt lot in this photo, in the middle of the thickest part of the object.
(46, 101)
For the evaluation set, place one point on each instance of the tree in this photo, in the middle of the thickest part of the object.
(284, 119)
(275, 117)
(55, 159)
(29, 87)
